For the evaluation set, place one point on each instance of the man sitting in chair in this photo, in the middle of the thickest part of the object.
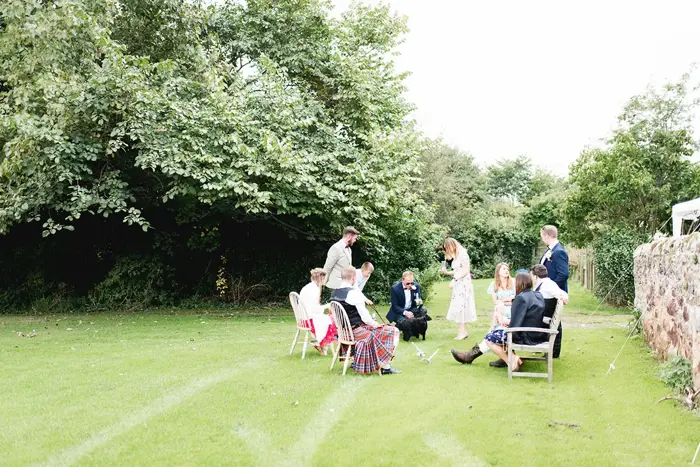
(407, 305)
(375, 344)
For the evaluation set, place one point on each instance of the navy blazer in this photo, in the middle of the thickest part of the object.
(527, 311)
(558, 266)
(398, 300)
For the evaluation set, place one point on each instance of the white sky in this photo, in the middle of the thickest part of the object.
(541, 78)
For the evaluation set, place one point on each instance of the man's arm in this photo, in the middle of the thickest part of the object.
(561, 265)
(395, 307)
(331, 259)
(554, 290)
(357, 298)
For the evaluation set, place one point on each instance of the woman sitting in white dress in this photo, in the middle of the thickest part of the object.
(322, 325)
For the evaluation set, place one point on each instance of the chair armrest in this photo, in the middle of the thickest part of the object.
(548, 331)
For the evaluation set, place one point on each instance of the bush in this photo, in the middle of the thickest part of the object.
(676, 373)
(135, 282)
(614, 259)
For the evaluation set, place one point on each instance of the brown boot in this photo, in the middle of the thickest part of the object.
(466, 357)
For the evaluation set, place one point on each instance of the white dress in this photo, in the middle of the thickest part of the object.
(310, 297)
(462, 306)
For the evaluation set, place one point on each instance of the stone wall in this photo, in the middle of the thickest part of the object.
(667, 292)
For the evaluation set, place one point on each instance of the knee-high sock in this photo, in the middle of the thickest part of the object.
(484, 347)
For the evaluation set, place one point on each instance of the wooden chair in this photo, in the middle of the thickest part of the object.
(345, 335)
(303, 322)
(545, 347)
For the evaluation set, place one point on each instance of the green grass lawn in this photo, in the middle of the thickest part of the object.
(179, 389)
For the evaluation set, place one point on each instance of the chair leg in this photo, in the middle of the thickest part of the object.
(549, 364)
(510, 364)
(336, 353)
(306, 343)
(294, 342)
(347, 361)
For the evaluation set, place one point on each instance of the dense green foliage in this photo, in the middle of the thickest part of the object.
(614, 254)
(236, 136)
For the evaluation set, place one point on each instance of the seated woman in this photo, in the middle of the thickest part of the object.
(527, 310)
(322, 325)
(502, 290)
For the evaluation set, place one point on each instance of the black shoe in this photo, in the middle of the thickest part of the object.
(499, 364)
(466, 357)
(390, 371)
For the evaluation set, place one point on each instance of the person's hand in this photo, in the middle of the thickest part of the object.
(369, 302)
(565, 301)
(508, 301)
(419, 301)
(408, 314)
(451, 285)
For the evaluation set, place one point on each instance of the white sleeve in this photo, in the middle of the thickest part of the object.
(554, 291)
(357, 299)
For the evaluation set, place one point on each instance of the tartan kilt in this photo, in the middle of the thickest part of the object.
(374, 347)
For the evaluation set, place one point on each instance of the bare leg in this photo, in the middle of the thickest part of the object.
(501, 352)
(462, 331)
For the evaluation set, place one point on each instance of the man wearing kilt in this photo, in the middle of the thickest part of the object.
(375, 344)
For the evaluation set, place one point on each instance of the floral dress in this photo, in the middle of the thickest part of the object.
(501, 294)
(462, 306)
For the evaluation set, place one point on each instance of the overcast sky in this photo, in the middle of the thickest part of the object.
(542, 79)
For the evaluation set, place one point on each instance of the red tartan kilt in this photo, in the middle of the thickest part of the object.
(374, 347)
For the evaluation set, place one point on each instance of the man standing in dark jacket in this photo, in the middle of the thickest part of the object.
(555, 259)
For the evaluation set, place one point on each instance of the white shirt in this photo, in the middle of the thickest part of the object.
(360, 279)
(549, 289)
(407, 293)
(357, 299)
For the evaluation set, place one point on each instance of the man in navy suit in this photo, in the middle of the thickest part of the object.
(555, 259)
(405, 299)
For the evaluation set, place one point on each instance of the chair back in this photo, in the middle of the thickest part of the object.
(556, 317)
(342, 322)
(299, 311)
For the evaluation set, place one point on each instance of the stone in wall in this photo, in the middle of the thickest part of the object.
(667, 293)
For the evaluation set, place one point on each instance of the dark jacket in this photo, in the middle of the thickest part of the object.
(527, 311)
(398, 300)
(558, 267)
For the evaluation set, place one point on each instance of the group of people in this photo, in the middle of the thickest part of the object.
(517, 302)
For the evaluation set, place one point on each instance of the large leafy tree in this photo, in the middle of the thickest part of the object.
(644, 169)
(157, 109)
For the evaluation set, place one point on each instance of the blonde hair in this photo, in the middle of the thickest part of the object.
(318, 275)
(550, 230)
(497, 285)
(451, 247)
(406, 274)
(367, 266)
(348, 274)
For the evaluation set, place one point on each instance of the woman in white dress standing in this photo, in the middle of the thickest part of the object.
(462, 306)
(322, 325)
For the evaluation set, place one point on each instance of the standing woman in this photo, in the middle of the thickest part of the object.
(462, 306)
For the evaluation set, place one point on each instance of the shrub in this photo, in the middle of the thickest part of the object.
(614, 252)
(676, 373)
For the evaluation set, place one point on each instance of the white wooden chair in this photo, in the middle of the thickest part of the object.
(545, 347)
(345, 335)
(303, 322)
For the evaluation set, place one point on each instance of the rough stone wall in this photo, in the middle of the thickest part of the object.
(667, 292)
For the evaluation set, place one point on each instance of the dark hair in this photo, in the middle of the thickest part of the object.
(539, 270)
(350, 230)
(523, 281)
